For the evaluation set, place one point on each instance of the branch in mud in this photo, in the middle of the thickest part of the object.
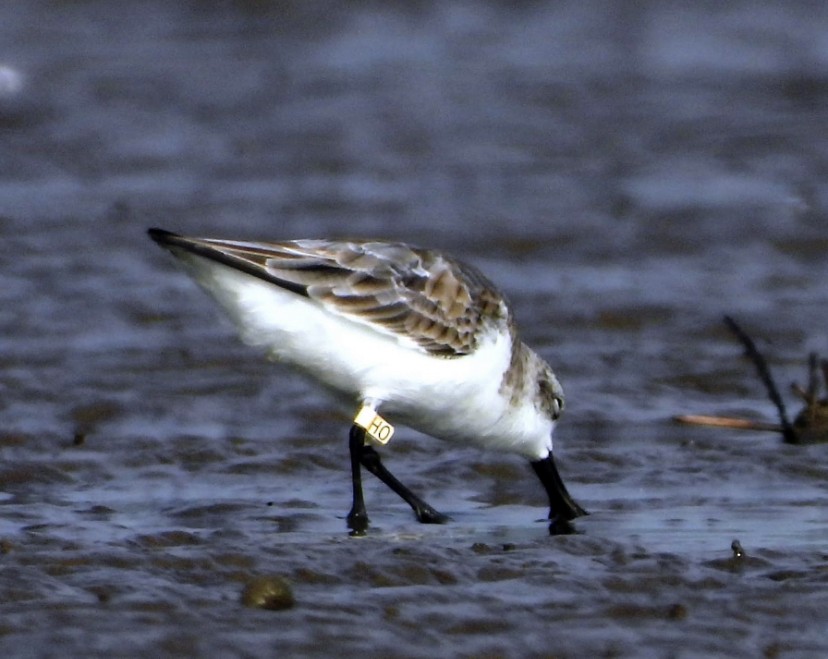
(809, 426)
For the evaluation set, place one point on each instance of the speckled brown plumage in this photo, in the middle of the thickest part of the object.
(420, 295)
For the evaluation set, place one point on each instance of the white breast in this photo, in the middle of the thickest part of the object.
(449, 398)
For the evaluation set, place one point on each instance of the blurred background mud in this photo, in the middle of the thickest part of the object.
(626, 172)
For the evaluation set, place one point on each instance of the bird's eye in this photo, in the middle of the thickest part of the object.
(553, 401)
(557, 407)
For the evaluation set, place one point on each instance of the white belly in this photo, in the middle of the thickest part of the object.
(449, 398)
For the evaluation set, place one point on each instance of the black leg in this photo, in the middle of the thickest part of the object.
(358, 517)
(562, 507)
(425, 513)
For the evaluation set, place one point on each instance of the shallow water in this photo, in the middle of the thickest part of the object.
(625, 175)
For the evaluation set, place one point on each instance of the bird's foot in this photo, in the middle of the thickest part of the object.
(561, 526)
(357, 521)
(427, 515)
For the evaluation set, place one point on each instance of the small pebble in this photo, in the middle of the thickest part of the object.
(268, 592)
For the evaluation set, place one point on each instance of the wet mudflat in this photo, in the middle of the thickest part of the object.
(627, 176)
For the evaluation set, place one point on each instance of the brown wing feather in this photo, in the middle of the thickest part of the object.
(421, 295)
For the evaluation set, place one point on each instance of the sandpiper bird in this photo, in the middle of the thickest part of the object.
(411, 332)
